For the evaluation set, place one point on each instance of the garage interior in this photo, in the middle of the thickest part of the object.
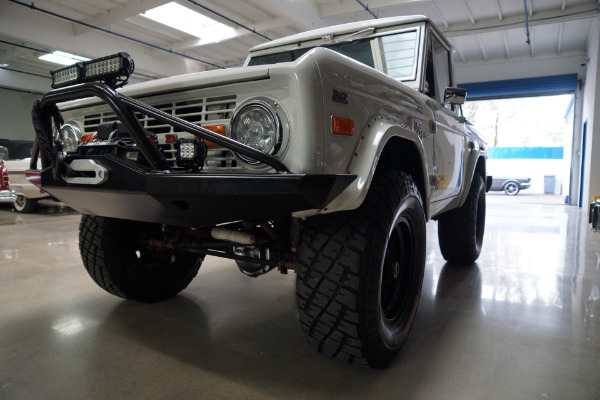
(522, 323)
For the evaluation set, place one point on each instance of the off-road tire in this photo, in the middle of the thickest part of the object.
(115, 255)
(24, 204)
(360, 273)
(460, 231)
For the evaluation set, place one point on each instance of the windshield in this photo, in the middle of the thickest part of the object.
(394, 54)
(359, 50)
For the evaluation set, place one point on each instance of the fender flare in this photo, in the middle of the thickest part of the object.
(379, 132)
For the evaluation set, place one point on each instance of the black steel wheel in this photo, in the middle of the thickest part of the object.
(116, 255)
(360, 273)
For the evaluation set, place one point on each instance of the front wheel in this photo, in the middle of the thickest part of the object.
(116, 255)
(360, 273)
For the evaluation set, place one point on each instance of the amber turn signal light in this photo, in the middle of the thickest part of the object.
(342, 126)
(220, 129)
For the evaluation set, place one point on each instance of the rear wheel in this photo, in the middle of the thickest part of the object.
(116, 255)
(460, 231)
(24, 204)
(360, 275)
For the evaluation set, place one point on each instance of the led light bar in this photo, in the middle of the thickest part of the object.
(66, 76)
(112, 70)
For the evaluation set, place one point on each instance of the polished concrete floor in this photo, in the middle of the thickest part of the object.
(523, 323)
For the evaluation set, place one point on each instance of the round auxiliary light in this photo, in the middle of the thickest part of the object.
(69, 135)
(257, 125)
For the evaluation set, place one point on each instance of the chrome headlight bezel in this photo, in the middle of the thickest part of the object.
(69, 136)
(280, 129)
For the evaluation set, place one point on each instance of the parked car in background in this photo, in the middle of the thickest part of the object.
(16, 156)
(7, 195)
(510, 186)
(27, 194)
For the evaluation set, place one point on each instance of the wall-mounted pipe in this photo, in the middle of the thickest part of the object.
(366, 7)
(25, 72)
(229, 19)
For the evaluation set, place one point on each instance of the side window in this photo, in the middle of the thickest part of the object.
(399, 55)
(437, 73)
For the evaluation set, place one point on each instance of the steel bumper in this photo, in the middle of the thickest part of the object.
(7, 196)
(198, 199)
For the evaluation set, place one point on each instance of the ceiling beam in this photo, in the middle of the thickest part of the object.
(500, 16)
(482, 47)
(27, 82)
(469, 12)
(342, 7)
(457, 49)
(441, 14)
(11, 54)
(560, 38)
(517, 21)
(118, 14)
(301, 13)
(506, 45)
(239, 32)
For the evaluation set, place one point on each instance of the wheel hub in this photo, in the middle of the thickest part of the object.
(396, 270)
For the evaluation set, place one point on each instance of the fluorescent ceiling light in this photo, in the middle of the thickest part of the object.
(186, 20)
(60, 57)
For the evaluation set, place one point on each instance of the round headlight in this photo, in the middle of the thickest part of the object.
(256, 125)
(69, 135)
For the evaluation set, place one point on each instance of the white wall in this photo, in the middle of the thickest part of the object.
(536, 169)
(15, 115)
(591, 115)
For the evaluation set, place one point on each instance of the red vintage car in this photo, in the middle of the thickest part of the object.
(6, 194)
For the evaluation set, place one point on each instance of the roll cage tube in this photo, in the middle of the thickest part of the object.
(123, 107)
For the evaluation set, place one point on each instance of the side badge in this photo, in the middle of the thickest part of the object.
(340, 97)
(418, 128)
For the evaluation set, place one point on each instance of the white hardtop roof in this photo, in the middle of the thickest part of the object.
(340, 30)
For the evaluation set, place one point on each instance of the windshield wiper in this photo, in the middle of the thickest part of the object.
(346, 38)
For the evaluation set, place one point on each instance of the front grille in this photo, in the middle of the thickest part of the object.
(202, 111)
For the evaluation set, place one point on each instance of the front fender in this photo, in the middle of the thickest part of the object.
(378, 132)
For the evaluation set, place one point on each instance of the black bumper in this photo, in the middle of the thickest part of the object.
(198, 199)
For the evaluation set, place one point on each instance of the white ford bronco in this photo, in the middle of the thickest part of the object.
(326, 153)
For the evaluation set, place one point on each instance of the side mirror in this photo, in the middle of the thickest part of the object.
(454, 95)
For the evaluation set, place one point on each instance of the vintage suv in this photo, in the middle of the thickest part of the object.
(326, 153)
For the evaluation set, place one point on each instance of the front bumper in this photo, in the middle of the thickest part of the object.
(7, 196)
(199, 199)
